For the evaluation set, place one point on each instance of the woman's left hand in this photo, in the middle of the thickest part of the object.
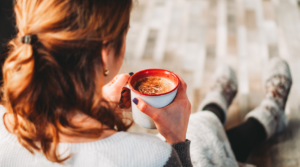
(115, 92)
(171, 121)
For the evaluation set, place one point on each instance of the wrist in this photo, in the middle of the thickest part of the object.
(173, 140)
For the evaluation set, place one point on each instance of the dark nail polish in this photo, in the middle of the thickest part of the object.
(122, 106)
(121, 101)
(131, 73)
(123, 91)
(135, 101)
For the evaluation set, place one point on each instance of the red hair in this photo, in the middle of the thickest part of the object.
(49, 81)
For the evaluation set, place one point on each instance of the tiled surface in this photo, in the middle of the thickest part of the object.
(191, 37)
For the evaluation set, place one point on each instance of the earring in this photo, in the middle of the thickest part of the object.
(106, 72)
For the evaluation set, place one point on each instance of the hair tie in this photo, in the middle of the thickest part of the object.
(29, 39)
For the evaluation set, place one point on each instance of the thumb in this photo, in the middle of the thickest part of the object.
(146, 108)
(121, 81)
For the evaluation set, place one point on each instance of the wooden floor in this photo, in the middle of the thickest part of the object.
(191, 37)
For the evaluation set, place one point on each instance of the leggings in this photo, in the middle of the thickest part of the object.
(242, 138)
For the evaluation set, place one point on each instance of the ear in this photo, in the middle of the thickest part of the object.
(105, 56)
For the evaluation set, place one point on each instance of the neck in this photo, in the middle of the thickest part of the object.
(82, 121)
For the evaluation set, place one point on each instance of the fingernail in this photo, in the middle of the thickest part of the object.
(123, 91)
(135, 101)
(121, 101)
(131, 73)
(122, 106)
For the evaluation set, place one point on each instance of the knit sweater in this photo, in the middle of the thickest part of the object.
(121, 149)
(209, 146)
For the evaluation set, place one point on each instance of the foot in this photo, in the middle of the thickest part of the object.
(278, 82)
(223, 90)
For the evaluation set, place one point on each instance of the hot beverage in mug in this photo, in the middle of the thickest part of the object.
(154, 85)
(157, 87)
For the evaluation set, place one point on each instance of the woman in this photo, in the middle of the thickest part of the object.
(61, 94)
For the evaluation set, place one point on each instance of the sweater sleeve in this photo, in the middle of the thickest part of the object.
(180, 155)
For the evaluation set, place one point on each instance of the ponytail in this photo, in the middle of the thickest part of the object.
(53, 69)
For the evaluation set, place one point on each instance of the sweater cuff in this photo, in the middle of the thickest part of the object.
(183, 151)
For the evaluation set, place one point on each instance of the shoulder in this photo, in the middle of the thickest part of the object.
(11, 149)
(146, 149)
(145, 137)
(148, 141)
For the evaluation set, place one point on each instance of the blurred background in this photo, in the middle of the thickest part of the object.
(193, 37)
(7, 29)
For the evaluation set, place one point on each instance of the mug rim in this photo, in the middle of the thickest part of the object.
(153, 69)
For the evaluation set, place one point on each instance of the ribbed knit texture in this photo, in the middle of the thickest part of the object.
(120, 149)
(209, 147)
(183, 150)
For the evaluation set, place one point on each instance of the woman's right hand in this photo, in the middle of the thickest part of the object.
(171, 121)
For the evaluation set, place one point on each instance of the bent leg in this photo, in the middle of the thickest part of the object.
(242, 138)
(268, 118)
(209, 143)
(265, 120)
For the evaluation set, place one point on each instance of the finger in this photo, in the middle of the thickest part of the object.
(124, 100)
(121, 80)
(122, 106)
(126, 95)
(126, 105)
(182, 83)
(126, 92)
(146, 108)
(181, 92)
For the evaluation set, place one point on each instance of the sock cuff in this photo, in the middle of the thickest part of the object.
(215, 98)
(270, 116)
